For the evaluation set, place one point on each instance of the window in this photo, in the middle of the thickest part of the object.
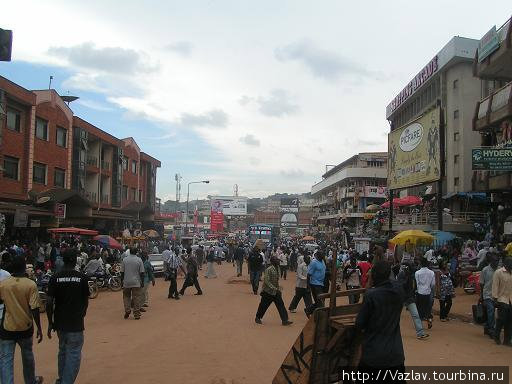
(61, 137)
(456, 181)
(456, 114)
(13, 120)
(134, 166)
(125, 192)
(41, 129)
(39, 173)
(59, 177)
(456, 159)
(133, 192)
(456, 136)
(11, 167)
(455, 84)
(125, 163)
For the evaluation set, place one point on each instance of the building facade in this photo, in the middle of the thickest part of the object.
(493, 120)
(348, 188)
(447, 82)
(48, 156)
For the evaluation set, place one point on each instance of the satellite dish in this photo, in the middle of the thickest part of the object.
(43, 200)
(68, 98)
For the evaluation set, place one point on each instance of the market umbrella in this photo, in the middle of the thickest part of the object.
(442, 237)
(414, 236)
(308, 238)
(151, 233)
(396, 203)
(372, 207)
(508, 248)
(107, 242)
(74, 230)
(411, 200)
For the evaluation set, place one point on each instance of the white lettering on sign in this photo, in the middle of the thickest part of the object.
(411, 137)
(497, 152)
(69, 279)
(418, 80)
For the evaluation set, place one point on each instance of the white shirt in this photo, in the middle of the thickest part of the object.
(3, 275)
(425, 281)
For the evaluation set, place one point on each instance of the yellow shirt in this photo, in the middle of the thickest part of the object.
(502, 286)
(20, 296)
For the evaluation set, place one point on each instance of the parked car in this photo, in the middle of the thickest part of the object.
(157, 262)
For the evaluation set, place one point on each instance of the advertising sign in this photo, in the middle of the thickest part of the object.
(289, 220)
(488, 44)
(21, 217)
(414, 153)
(35, 223)
(217, 217)
(379, 192)
(491, 159)
(290, 204)
(230, 205)
(60, 211)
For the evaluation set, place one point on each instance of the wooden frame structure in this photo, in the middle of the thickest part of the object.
(327, 343)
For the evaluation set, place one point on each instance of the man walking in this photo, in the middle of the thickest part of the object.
(171, 263)
(316, 273)
(425, 283)
(149, 277)
(301, 285)
(66, 306)
(352, 275)
(486, 277)
(255, 262)
(502, 294)
(132, 276)
(200, 257)
(379, 319)
(21, 309)
(191, 275)
(271, 293)
(239, 258)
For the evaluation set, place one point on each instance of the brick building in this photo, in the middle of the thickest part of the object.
(50, 156)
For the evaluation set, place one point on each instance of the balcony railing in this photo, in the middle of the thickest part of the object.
(104, 199)
(91, 196)
(92, 160)
(105, 165)
(494, 108)
(430, 218)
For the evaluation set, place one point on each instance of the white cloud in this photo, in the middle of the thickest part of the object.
(251, 140)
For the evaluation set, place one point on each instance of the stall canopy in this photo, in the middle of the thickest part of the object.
(404, 201)
(74, 231)
(413, 236)
(107, 242)
(442, 237)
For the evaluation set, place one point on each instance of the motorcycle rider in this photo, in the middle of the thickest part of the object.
(94, 267)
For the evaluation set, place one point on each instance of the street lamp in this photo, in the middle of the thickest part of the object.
(188, 192)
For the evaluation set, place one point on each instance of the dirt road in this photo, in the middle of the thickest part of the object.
(212, 339)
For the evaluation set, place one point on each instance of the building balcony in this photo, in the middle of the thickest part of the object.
(427, 221)
(104, 199)
(91, 196)
(492, 181)
(92, 161)
(498, 63)
(105, 165)
(493, 109)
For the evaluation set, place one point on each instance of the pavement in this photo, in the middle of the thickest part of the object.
(213, 339)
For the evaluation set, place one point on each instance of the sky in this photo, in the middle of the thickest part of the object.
(262, 94)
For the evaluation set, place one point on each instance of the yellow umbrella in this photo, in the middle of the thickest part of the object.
(151, 233)
(414, 236)
(508, 248)
(308, 238)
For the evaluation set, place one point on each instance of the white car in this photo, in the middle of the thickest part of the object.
(157, 262)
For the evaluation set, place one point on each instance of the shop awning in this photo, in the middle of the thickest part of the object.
(467, 195)
(111, 215)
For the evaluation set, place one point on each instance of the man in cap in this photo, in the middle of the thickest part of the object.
(271, 293)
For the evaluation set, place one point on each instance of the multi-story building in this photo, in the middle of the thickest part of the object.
(493, 117)
(49, 156)
(447, 82)
(348, 188)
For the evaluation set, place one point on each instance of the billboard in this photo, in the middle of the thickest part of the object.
(491, 159)
(289, 212)
(229, 205)
(216, 215)
(414, 152)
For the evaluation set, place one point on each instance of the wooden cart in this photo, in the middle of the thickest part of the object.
(327, 344)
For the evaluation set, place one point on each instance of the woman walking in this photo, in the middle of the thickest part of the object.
(446, 292)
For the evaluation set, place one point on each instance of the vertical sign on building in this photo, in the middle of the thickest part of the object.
(60, 211)
(217, 216)
(289, 212)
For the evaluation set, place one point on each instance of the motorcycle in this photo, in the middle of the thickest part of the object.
(472, 283)
(108, 279)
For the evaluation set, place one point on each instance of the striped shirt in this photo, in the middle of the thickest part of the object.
(173, 261)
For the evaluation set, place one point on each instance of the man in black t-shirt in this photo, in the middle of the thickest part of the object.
(66, 306)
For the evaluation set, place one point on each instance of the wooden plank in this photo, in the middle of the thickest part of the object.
(358, 291)
(332, 296)
(297, 363)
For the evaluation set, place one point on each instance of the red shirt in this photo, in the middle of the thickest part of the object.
(365, 267)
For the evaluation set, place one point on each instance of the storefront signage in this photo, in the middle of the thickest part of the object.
(414, 152)
(35, 223)
(379, 192)
(289, 204)
(488, 44)
(21, 217)
(418, 80)
(60, 211)
(491, 159)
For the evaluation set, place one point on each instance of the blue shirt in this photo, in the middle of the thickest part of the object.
(317, 271)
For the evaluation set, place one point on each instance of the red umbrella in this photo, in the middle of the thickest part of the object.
(107, 242)
(396, 203)
(411, 200)
(74, 230)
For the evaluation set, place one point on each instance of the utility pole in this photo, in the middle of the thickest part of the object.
(177, 178)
